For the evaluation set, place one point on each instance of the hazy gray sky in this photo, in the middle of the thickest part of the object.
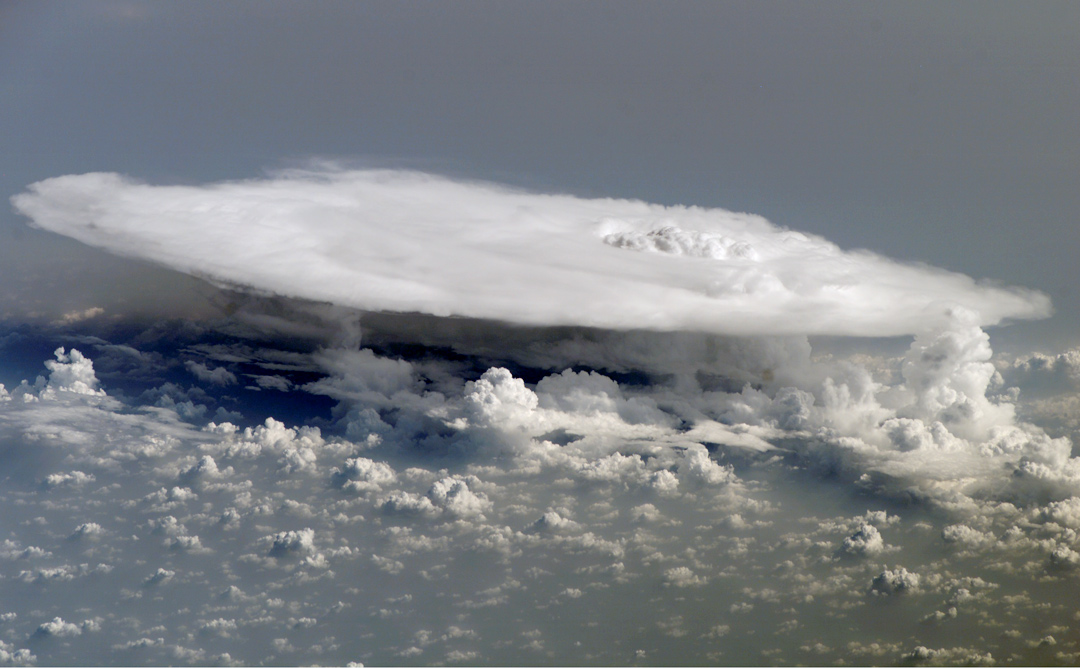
(941, 133)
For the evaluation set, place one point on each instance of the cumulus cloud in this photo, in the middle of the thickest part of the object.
(454, 496)
(160, 576)
(948, 656)
(58, 628)
(866, 542)
(87, 530)
(288, 543)
(681, 576)
(1044, 373)
(9, 655)
(72, 372)
(897, 581)
(361, 474)
(385, 240)
(72, 479)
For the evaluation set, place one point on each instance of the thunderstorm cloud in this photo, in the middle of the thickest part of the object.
(400, 241)
(622, 448)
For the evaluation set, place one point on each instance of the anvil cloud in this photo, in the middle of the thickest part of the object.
(403, 241)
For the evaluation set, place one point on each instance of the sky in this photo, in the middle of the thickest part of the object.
(520, 333)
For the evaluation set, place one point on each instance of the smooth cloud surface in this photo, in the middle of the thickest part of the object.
(383, 240)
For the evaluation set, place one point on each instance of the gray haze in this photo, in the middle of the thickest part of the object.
(936, 133)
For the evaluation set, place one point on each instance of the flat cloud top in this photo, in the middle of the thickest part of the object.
(404, 241)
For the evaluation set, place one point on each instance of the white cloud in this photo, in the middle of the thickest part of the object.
(140, 643)
(87, 530)
(966, 537)
(897, 581)
(288, 543)
(218, 627)
(72, 372)
(58, 628)
(681, 576)
(497, 398)
(949, 656)
(160, 576)
(553, 522)
(402, 241)
(361, 474)
(408, 504)
(72, 479)
(453, 495)
(698, 466)
(9, 655)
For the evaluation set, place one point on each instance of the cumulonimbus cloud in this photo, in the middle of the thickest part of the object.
(404, 241)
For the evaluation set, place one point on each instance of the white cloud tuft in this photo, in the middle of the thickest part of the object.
(897, 581)
(288, 543)
(681, 576)
(497, 397)
(72, 372)
(361, 474)
(866, 542)
(453, 495)
(58, 628)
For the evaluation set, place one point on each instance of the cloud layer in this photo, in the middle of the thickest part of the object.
(400, 241)
(445, 516)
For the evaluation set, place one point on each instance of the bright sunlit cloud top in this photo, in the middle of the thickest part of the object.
(389, 240)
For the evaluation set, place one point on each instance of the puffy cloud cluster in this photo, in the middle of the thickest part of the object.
(454, 496)
(1045, 374)
(1048, 390)
(437, 515)
(945, 432)
(361, 474)
(72, 372)
(288, 543)
(949, 656)
(866, 541)
(385, 240)
(896, 581)
(293, 449)
(58, 628)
